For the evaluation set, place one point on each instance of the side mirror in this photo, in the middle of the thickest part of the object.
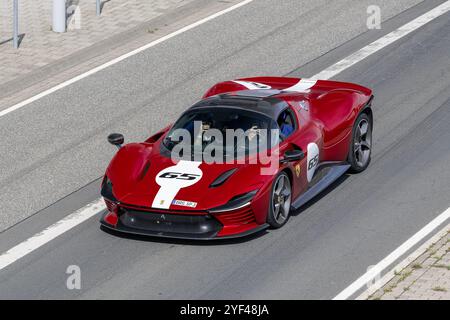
(293, 155)
(116, 139)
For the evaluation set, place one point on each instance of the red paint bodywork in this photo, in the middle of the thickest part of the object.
(332, 109)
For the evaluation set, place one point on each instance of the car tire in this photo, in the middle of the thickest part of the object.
(280, 201)
(360, 152)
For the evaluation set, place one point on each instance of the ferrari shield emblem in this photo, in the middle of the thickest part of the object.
(297, 170)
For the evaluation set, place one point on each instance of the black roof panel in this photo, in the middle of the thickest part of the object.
(261, 101)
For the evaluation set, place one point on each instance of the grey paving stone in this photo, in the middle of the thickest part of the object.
(430, 282)
(42, 46)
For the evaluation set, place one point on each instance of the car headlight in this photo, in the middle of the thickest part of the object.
(235, 203)
(107, 190)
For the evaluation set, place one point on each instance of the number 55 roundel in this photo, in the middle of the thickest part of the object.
(172, 179)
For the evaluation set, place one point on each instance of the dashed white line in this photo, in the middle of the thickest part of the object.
(91, 210)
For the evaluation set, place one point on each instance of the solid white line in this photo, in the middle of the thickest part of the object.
(402, 265)
(121, 58)
(383, 42)
(85, 213)
(374, 272)
(51, 233)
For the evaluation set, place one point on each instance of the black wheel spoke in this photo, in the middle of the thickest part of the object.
(281, 199)
(362, 143)
(365, 145)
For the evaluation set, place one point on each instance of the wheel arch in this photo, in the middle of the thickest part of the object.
(367, 109)
(290, 175)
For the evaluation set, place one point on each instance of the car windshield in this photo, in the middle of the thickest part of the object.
(235, 131)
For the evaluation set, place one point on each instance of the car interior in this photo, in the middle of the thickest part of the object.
(286, 123)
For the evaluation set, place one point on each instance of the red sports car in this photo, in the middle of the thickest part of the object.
(314, 131)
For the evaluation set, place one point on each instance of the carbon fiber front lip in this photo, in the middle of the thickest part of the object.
(174, 235)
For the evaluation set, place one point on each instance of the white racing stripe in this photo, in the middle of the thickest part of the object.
(121, 58)
(252, 85)
(89, 211)
(172, 179)
(377, 270)
(302, 86)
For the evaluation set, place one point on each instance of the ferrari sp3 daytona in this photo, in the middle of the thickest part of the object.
(323, 129)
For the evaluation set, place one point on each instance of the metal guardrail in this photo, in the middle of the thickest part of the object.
(58, 18)
(98, 7)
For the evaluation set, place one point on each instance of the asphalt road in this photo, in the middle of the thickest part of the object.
(56, 146)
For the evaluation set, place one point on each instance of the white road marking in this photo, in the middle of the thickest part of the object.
(89, 211)
(121, 58)
(383, 42)
(374, 272)
(47, 235)
(402, 265)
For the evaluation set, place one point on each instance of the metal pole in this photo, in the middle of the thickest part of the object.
(98, 7)
(59, 16)
(16, 24)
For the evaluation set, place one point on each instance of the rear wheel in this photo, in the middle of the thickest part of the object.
(361, 147)
(280, 201)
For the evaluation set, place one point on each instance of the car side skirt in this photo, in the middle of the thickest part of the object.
(326, 174)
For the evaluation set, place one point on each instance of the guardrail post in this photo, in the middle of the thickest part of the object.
(16, 24)
(98, 7)
(59, 16)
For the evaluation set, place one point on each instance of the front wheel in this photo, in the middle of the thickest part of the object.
(280, 201)
(361, 146)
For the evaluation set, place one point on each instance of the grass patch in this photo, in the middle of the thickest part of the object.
(387, 290)
(150, 30)
(443, 266)
(430, 248)
(404, 276)
(439, 289)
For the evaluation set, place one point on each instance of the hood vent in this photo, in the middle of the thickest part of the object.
(222, 178)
